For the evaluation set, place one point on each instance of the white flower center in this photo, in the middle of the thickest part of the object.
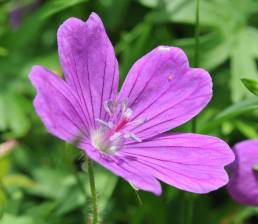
(109, 136)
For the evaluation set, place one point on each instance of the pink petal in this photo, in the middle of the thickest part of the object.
(57, 105)
(122, 167)
(89, 63)
(163, 89)
(243, 184)
(190, 162)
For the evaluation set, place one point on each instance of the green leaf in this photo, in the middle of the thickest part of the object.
(243, 64)
(10, 219)
(40, 17)
(105, 184)
(231, 112)
(252, 85)
(4, 167)
(247, 129)
(18, 181)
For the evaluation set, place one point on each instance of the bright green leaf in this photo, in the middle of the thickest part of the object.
(252, 85)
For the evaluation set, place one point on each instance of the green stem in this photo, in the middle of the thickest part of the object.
(93, 191)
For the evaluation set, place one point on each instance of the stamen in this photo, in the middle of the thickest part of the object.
(109, 136)
(128, 113)
(110, 106)
(138, 121)
(132, 136)
(124, 105)
(115, 136)
(106, 124)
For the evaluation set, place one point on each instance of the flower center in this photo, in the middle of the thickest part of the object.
(109, 136)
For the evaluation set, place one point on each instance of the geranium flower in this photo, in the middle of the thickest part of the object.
(125, 131)
(243, 183)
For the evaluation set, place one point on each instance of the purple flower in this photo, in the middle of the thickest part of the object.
(124, 131)
(243, 184)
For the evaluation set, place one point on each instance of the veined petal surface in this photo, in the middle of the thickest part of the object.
(165, 91)
(89, 64)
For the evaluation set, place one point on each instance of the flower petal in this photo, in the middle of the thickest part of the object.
(89, 63)
(243, 184)
(163, 90)
(122, 167)
(57, 105)
(190, 162)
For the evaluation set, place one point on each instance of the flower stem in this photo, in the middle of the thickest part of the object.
(93, 191)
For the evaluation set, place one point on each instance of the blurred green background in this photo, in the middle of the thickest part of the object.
(37, 182)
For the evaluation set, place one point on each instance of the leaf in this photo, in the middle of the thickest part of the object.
(40, 16)
(10, 219)
(18, 121)
(18, 181)
(247, 129)
(4, 167)
(243, 65)
(105, 184)
(251, 85)
(231, 112)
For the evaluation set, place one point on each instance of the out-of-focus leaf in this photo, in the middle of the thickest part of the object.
(247, 129)
(10, 219)
(55, 6)
(252, 85)
(6, 147)
(42, 211)
(39, 17)
(3, 52)
(231, 112)
(105, 183)
(49, 61)
(3, 113)
(149, 3)
(18, 181)
(17, 118)
(47, 181)
(243, 64)
(4, 167)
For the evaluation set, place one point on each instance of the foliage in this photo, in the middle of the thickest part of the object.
(37, 184)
